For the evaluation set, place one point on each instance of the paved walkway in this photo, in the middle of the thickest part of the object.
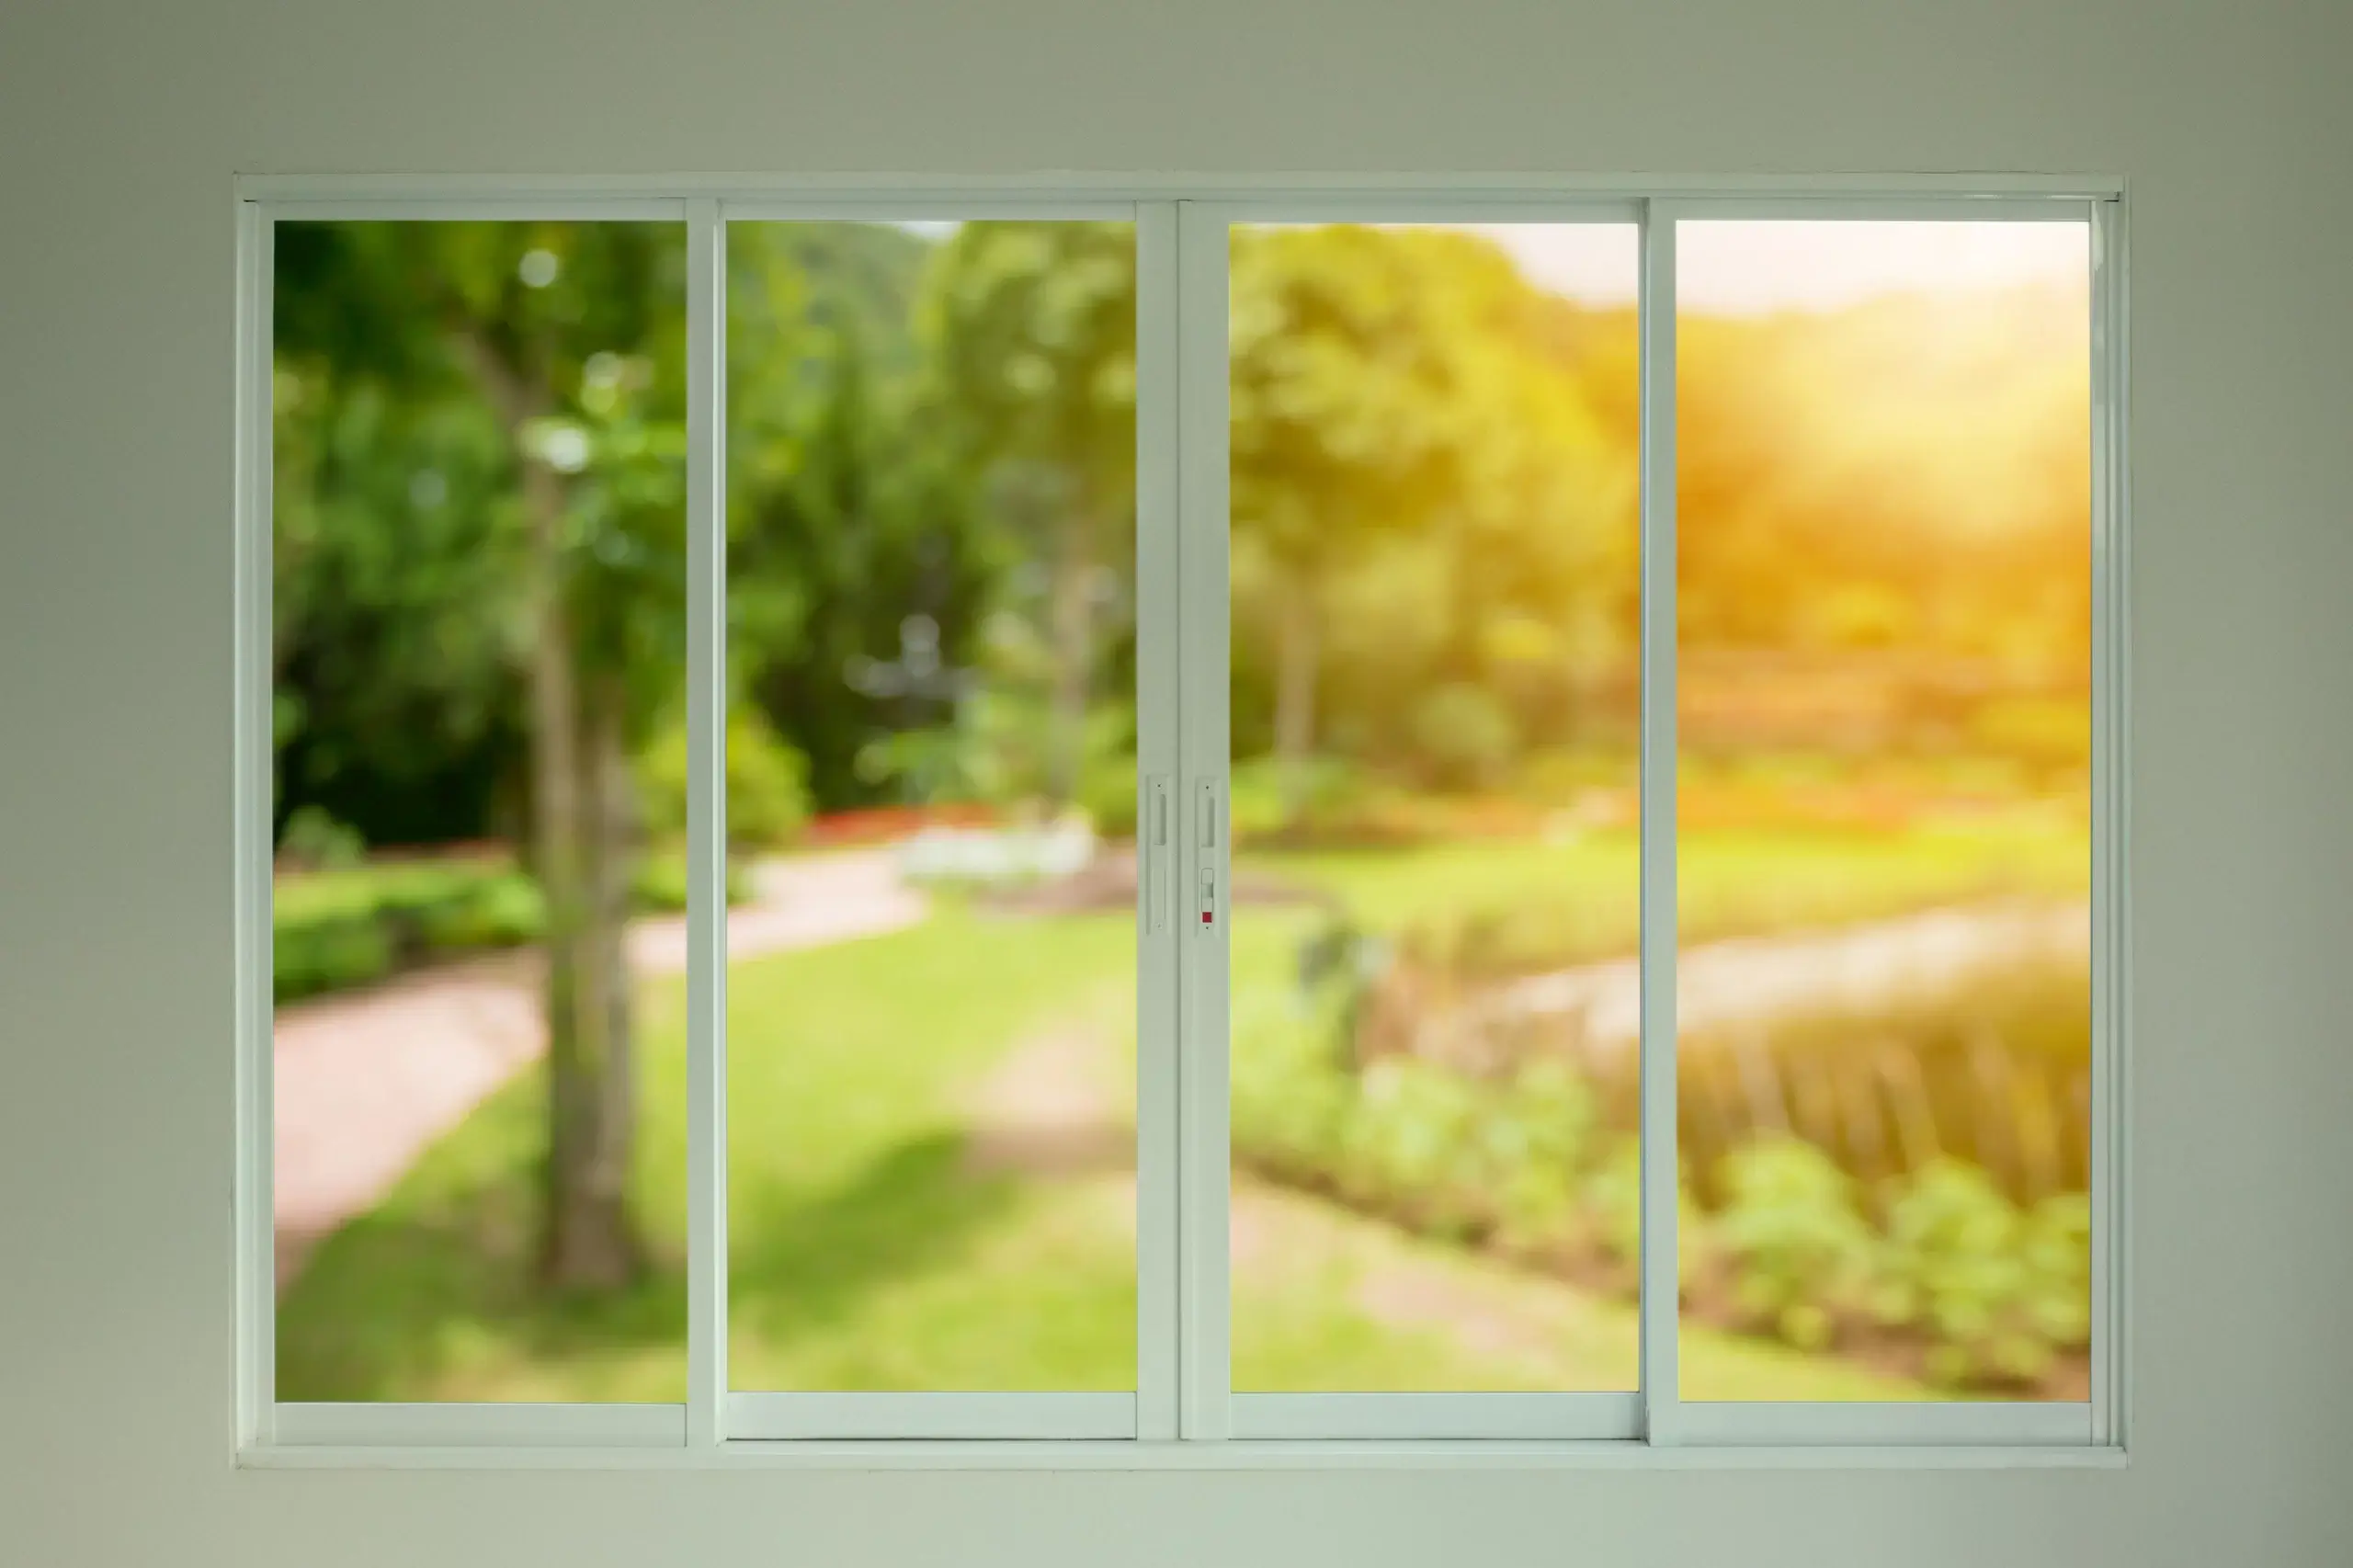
(1756, 979)
(367, 1080)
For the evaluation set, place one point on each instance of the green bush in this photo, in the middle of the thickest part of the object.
(767, 783)
(1536, 1210)
(331, 953)
(1803, 1258)
(2059, 1248)
(1106, 793)
(312, 837)
(1994, 1294)
(1405, 1144)
(1290, 1097)
(1463, 736)
(1611, 1206)
(659, 884)
(1999, 1292)
(1340, 804)
(351, 928)
(1527, 1154)
(500, 911)
(1612, 1202)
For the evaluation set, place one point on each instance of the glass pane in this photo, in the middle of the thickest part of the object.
(1435, 801)
(932, 782)
(479, 526)
(1885, 712)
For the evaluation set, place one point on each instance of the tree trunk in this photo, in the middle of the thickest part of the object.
(1074, 644)
(1297, 652)
(592, 1242)
(564, 826)
(578, 856)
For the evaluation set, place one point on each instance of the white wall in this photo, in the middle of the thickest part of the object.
(120, 129)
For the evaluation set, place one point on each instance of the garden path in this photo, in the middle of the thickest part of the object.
(1051, 1109)
(1756, 979)
(366, 1081)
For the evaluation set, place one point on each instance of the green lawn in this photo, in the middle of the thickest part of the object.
(870, 1253)
(1729, 882)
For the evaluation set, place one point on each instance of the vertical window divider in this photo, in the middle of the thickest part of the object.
(1159, 935)
(254, 1202)
(1205, 1181)
(2111, 822)
(706, 823)
(1661, 1170)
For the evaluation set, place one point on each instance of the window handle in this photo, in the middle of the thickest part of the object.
(1155, 846)
(1206, 909)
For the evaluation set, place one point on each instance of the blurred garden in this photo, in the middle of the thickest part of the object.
(479, 668)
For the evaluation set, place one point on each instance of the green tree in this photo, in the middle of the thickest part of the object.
(853, 504)
(391, 714)
(555, 350)
(1032, 329)
(1413, 470)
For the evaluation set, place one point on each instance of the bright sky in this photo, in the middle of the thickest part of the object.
(1752, 268)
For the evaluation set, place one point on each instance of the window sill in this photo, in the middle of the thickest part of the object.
(1232, 1456)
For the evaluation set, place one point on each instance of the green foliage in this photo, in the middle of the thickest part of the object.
(1999, 1292)
(1548, 1116)
(869, 1252)
(313, 838)
(1032, 331)
(335, 931)
(857, 512)
(1612, 1202)
(1401, 412)
(1908, 473)
(1610, 1213)
(1801, 1254)
(1495, 910)
(498, 912)
(1106, 793)
(1338, 804)
(1329, 788)
(767, 784)
(1409, 1140)
(2058, 1256)
(768, 792)
(1532, 1146)
(659, 884)
(1463, 736)
(423, 369)
(1291, 1097)
(330, 954)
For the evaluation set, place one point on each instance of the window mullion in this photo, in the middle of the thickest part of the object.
(1159, 933)
(706, 823)
(1660, 1282)
(2110, 821)
(1202, 611)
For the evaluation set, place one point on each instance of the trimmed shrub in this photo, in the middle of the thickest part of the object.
(1803, 1258)
(1999, 1292)
(333, 953)
(767, 783)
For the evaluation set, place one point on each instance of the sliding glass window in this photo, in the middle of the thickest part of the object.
(1884, 842)
(476, 694)
(1202, 817)
(932, 798)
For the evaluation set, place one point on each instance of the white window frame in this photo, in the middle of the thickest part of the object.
(1183, 1414)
